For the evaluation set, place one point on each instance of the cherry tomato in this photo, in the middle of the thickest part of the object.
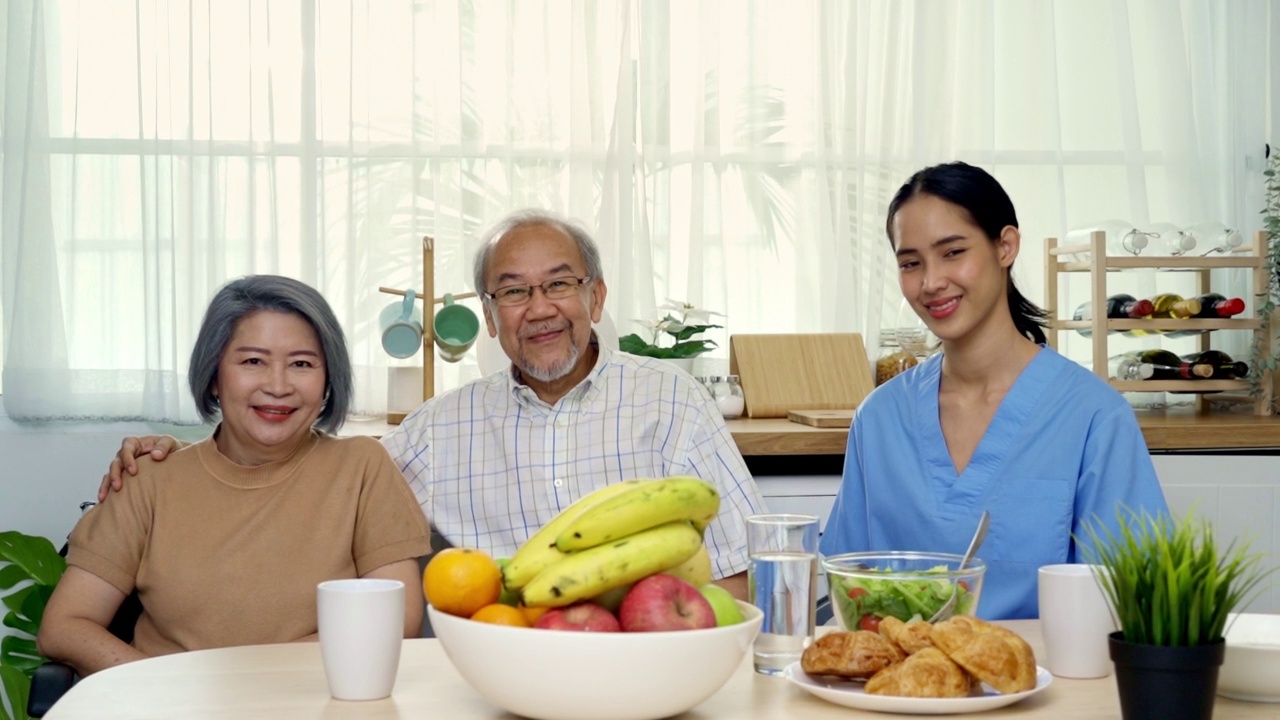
(870, 623)
(857, 592)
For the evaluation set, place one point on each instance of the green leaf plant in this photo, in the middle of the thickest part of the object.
(1264, 355)
(1166, 580)
(679, 331)
(30, 567)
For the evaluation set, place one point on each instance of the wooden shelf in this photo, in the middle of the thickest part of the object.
(1164, 324)
(1099, 264)
(1179, 386)
(1111, 263)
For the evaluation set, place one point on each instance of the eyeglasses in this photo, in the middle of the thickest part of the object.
(554, 289)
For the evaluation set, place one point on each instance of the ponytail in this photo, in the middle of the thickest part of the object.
(1028, 317)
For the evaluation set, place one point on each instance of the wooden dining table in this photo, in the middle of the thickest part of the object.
(287, 681)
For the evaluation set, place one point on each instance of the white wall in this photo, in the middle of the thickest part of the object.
(48, 469)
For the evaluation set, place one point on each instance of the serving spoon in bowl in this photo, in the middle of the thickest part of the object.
(949, 609)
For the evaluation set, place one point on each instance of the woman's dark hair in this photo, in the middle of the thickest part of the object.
(990, 208)
(255, 293)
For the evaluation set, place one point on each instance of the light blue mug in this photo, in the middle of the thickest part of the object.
(401, 324)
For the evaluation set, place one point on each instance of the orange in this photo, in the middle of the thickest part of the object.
(531, 614)
(500, 614)
(460, 581)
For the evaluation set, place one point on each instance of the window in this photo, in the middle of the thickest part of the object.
(738, 155)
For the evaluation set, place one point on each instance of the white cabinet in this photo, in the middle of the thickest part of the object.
(807, 494)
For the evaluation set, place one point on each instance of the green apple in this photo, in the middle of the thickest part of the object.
(508, 597)
(723, 604)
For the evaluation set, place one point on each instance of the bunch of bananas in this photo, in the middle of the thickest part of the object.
(611, 538)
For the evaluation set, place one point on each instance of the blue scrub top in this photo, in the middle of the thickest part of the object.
(1063, 448)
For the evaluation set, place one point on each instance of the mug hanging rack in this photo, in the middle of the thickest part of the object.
(428, 326)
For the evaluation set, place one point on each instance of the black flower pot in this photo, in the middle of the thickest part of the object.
(1160, 683)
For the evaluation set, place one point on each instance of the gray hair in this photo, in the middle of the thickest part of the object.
(526, 218)
(254, 293)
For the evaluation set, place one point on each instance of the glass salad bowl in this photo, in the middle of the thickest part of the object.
(868, 586)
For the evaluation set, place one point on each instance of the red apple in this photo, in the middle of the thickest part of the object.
(662, 602)
(582, 617)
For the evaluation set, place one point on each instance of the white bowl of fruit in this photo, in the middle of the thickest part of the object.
(607, 613)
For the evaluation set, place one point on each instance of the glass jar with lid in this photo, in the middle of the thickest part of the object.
(727, 393)
(892, 358)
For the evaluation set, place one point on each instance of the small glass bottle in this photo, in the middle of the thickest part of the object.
(727, 392)
(1123, 239)
(1214, 237)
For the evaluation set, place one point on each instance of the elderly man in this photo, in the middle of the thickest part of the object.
(492, 461)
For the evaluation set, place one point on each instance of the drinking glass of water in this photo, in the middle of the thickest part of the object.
(783, 583)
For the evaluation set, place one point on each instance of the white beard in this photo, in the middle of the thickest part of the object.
(552, 373)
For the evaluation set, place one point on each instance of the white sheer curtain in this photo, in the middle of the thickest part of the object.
(735, 154)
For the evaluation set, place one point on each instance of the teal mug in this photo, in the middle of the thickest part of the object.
(456, 329)
(401, 324)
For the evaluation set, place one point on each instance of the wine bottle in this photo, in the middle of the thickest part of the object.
(1167, 366)
(1119, 306)
(1170, 305)
(1166, 306)
(1214, 305)
(1224, 368)
(1126, 367)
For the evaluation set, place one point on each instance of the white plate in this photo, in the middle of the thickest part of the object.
(849, 694)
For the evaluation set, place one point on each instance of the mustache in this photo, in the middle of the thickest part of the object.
(544, 327)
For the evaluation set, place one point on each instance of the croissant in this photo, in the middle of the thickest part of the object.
(911, 637)
(859, 654)
(997, 656)
(927, 673)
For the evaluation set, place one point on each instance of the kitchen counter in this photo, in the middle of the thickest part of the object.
(1173, 430)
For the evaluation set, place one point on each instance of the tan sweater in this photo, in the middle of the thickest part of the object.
(223, 554)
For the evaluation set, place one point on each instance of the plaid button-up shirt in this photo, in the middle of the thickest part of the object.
(491, 463)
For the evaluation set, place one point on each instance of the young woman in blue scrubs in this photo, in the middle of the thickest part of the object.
(996, 421)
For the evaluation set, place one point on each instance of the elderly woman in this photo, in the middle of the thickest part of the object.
(225, 542)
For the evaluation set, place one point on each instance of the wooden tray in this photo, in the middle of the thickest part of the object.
(781, 373)
(822, 418)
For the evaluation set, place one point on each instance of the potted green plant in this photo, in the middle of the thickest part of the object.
(1263, 354)
(26, 582)
(672, 337)
(1170, 590)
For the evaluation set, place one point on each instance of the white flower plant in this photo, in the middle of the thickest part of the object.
(680, 323)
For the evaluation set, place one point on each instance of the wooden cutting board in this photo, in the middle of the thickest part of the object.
(818, 371)
(822, 418)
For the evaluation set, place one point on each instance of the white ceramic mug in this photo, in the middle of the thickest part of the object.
(1076, 620)
(361, 624)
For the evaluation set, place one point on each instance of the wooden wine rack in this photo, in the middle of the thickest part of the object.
(1099, 264)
